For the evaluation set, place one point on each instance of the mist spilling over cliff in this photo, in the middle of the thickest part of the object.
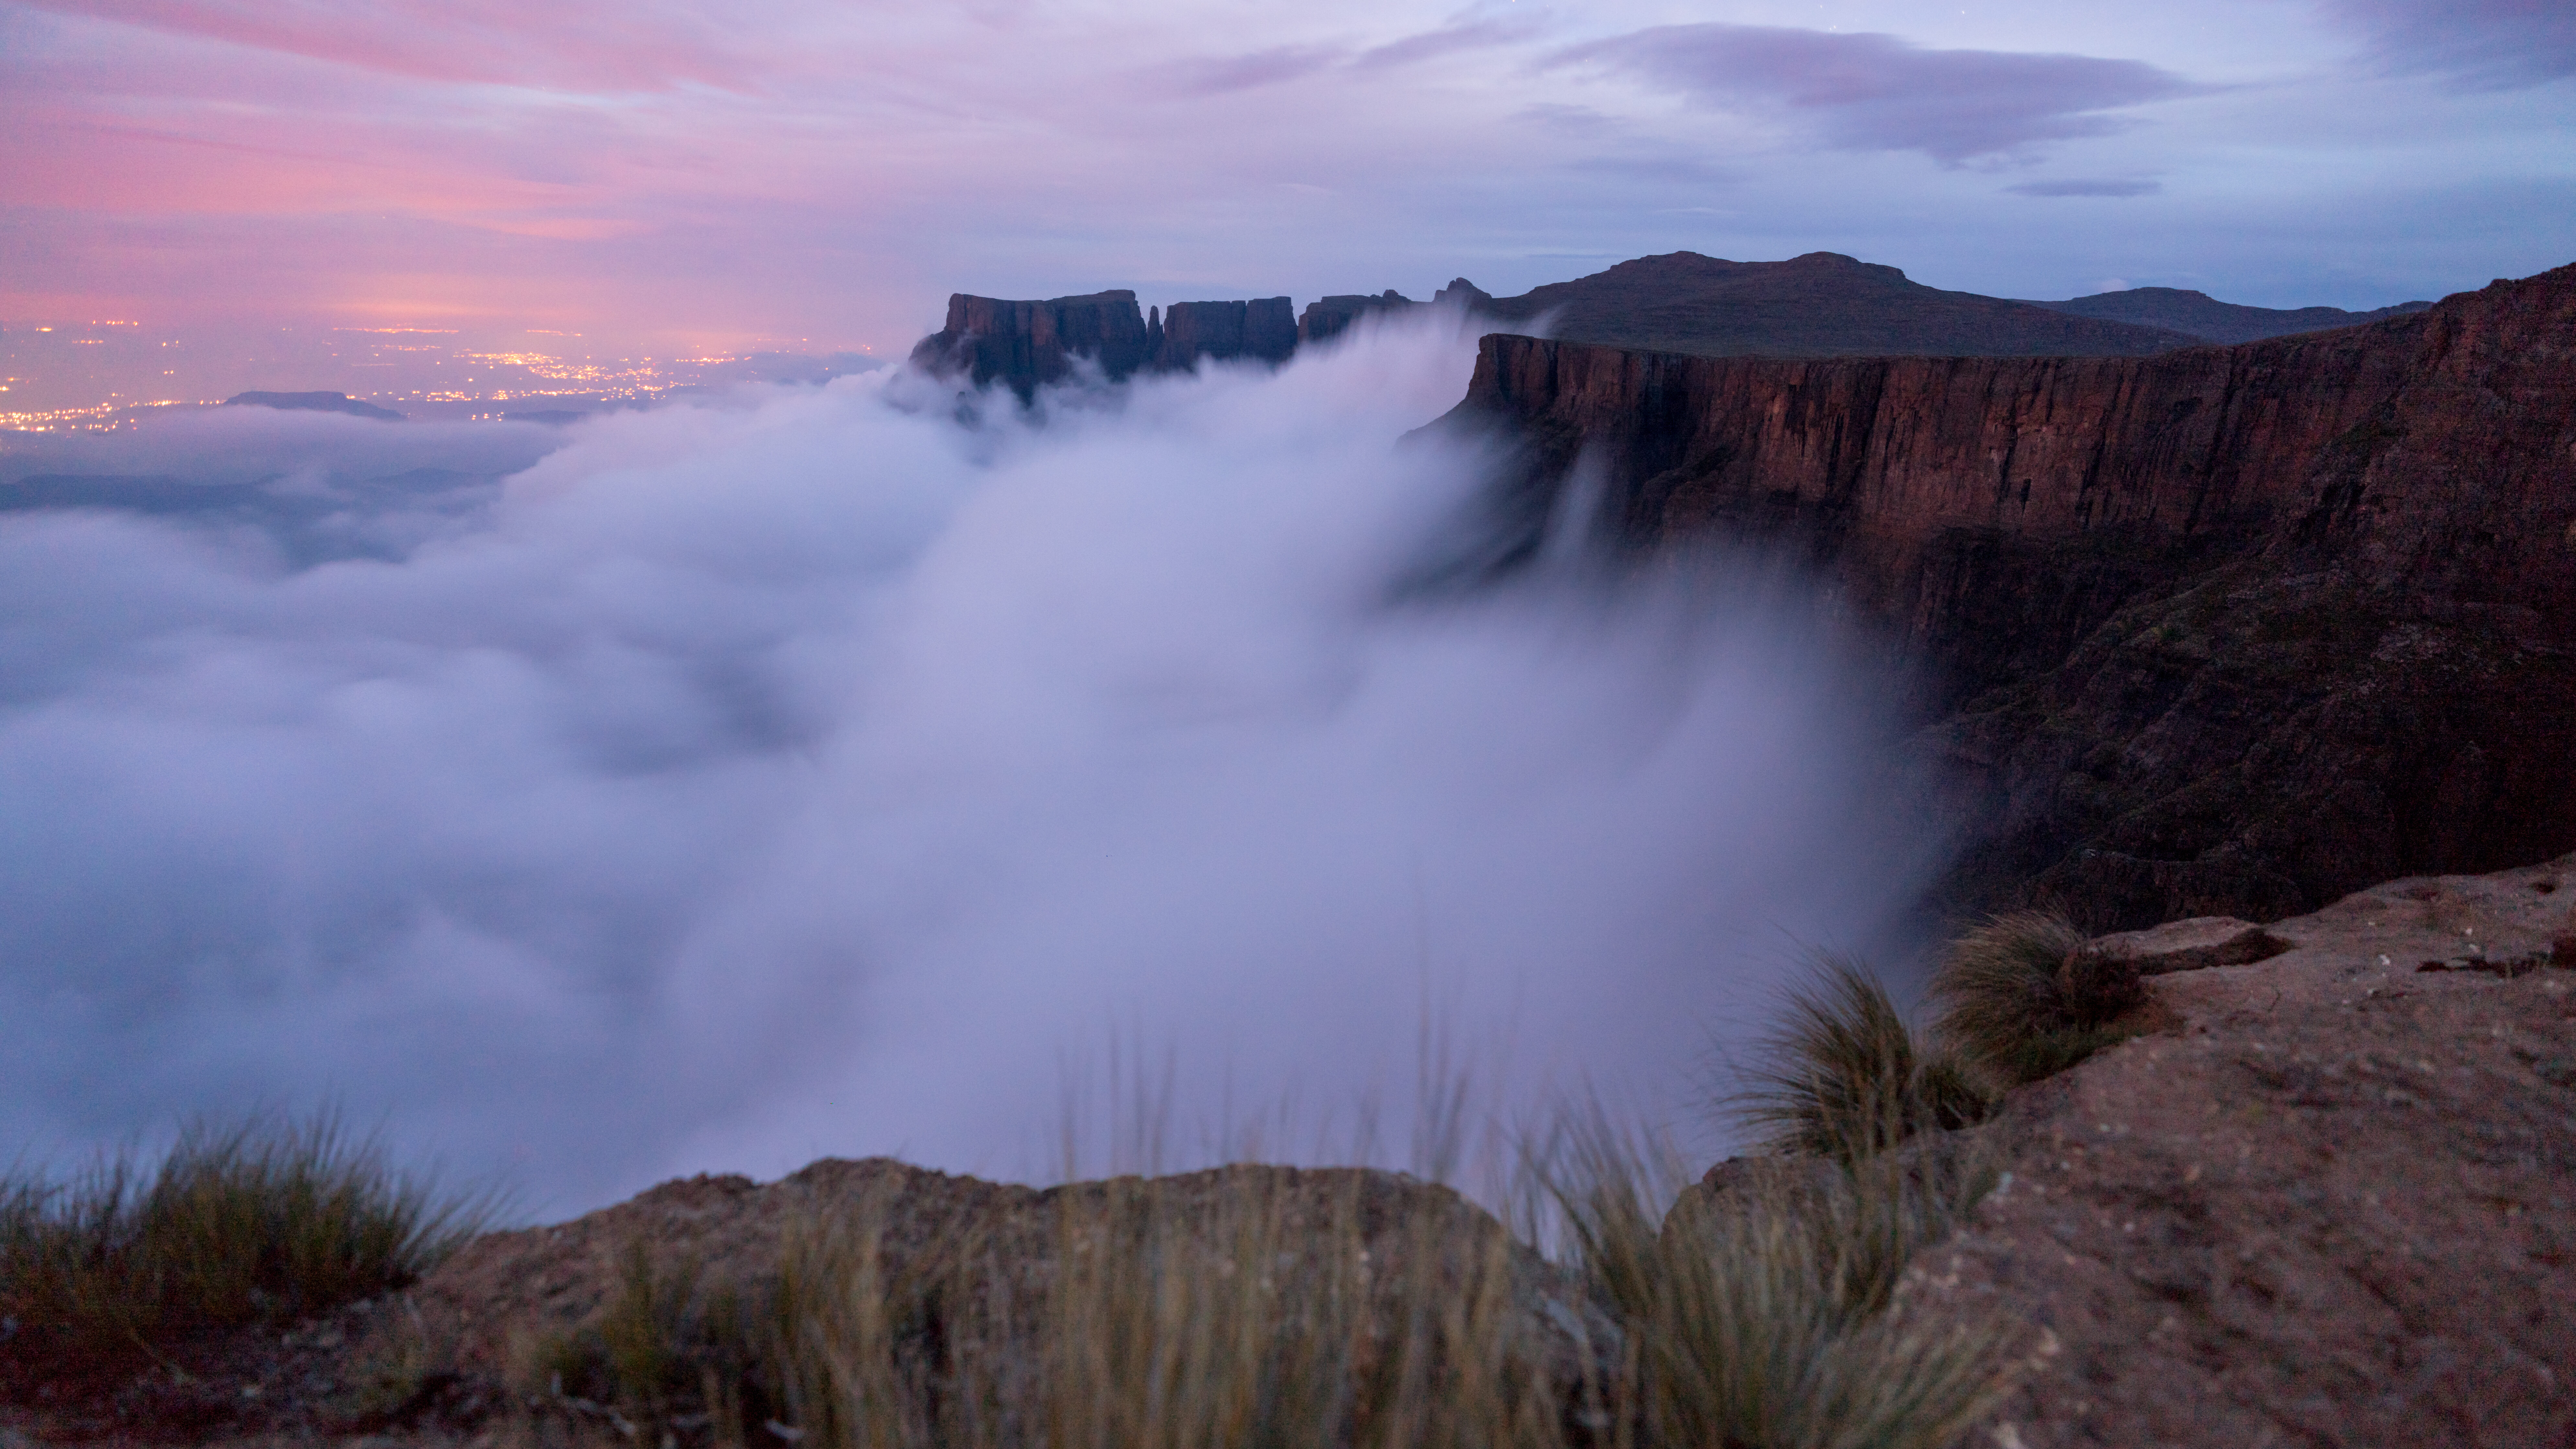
(837, 770)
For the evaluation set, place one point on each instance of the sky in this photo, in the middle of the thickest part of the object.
(681, 173)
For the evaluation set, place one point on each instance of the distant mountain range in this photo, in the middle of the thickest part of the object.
(2211, 320)
(1823, 304)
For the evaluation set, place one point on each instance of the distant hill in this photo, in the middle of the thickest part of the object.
(2211, 320)
(312, 402)
(1822, 304)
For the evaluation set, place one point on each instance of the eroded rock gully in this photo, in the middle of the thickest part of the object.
(2226, 630)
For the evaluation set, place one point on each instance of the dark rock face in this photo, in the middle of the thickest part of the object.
(312, 402)
(1265, 328)
(2225, 631)
(2211, 320)
(1025, 344)
(1820, 305)
(1330, 316)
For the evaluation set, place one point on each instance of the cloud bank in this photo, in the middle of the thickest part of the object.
(815, 772)
(1872, 92)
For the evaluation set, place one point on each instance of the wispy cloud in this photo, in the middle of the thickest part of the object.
(1218, 75)
(1448, 40)
(1882, 93)
(608, 45)
(2475, 44)
(2095, 187)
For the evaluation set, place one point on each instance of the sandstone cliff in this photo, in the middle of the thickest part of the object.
(1025, 344)
(1264, 328)
(2221, 631)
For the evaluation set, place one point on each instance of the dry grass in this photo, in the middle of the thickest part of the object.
(1243, 1307)
(1844, 1076)
(259, 1222)
(1772, 1315)
(2024, 997)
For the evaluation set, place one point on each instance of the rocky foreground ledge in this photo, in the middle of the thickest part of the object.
(2330, 1198)
(2326, 1196)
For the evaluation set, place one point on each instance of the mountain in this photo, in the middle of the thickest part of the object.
(1822, 304)
(2211, 320)
(312, 402)
(2226, 631)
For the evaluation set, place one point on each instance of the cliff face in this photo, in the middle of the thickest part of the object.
(1265, 328)
(1028, 343)
(1331, 316)
(2223, 630)
(1025, 345)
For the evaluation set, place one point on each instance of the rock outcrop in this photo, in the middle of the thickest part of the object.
(2205, 317)
(1264, 328)
(1026, 344)
(2223, 631)
(2326, 1201)
(1331, 316)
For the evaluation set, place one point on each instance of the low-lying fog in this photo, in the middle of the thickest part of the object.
(815, 773)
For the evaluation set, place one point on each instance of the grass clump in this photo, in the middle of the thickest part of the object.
(1242, 1307)
(1771, 1317)
(2024, 996)
(263, 1221)
(1845, 1077)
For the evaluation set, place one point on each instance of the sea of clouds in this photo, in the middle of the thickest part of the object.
(840, 770)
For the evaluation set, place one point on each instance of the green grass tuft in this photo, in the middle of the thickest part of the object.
(2024, 996)
(263, 1221)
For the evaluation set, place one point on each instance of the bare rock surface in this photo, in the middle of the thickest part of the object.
(2331, 1202)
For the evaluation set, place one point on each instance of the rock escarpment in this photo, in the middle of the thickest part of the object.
(1265, 328)
(1026, 344)
(2220, 631)
(1331, 316)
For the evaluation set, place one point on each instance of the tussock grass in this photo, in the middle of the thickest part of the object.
(2024, 997)
(1844, 1076)
(1243, 1307)
(1772, 1315)
(261, 1221)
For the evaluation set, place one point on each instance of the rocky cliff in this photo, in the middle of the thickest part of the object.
(2220, 631)
(1025, 344)
(1264, 328)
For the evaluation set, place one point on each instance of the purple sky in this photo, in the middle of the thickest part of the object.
(798, 170)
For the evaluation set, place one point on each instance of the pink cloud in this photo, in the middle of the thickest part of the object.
(610, 45)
